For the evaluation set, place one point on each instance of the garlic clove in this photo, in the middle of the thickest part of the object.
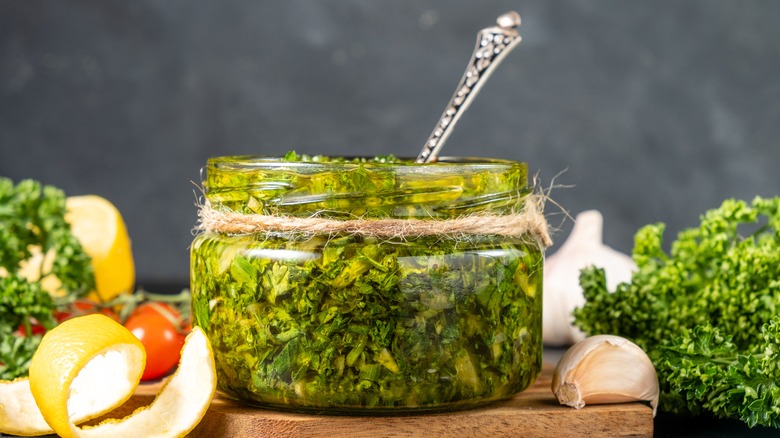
(562, 291)
(605, 369)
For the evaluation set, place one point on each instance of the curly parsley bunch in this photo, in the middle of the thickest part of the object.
(32, 215)
(706, 312)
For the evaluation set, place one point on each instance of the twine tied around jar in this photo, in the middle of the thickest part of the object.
(529, 222)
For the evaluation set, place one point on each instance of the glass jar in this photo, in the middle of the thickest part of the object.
(351, 322)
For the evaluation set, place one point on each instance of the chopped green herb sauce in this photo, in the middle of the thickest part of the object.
(358, 324)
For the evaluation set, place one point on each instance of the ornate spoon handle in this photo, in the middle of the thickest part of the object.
(493, 44)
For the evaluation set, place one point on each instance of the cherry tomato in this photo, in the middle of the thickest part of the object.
(154, 325)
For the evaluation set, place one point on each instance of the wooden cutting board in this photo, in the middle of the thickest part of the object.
(533, 413)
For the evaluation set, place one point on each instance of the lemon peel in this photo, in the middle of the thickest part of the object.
(19, 415)
(88, 366)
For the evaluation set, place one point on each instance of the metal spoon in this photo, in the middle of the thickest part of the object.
(493, 44)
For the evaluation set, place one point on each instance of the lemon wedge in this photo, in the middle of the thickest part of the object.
(100, 229)
(89, 365)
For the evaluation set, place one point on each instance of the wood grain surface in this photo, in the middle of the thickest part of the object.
(532, 413)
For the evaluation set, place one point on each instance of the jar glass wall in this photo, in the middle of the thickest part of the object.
(353, 323)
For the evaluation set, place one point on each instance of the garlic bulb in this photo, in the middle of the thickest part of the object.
(605, 369)
(562, 291)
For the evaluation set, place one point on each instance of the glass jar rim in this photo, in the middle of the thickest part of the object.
(444, 164)
(451, 187)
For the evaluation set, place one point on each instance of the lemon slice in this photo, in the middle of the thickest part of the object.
(100, 229)
(88, 366)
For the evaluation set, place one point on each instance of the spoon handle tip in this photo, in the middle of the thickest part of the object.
(493, 44)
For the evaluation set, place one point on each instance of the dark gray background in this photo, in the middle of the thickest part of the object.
(658, 109)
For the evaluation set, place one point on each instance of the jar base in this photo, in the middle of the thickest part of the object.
(379, 411)
(374, 412)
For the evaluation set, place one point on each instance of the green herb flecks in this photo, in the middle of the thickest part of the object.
(352, 322)
(379, 187)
